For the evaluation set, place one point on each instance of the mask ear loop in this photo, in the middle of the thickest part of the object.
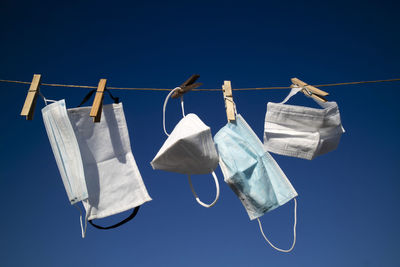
(83, 229)
(294, 231)
(183, 107)
(45, 99)
(292, 92)
(165, 107)
(296, 89)
(198, 199)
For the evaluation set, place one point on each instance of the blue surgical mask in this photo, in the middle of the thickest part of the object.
(251, 172)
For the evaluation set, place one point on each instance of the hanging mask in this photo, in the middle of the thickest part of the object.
(251, 172)
(66, 150)
(111, 179)
(302, 132)
(189, 150)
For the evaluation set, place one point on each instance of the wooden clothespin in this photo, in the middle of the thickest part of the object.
(187, 86)
(310, 90)
(97, 106)
(30, 102)
(228, 98)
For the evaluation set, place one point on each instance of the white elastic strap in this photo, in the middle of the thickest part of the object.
(45, 99)
(165, 107)
(83, 229)
(292, 92)
(198, 199)
(294, 231)
(48, 100)
(183, 107)
(297, 89)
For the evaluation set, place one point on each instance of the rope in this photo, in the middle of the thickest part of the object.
(234, 89)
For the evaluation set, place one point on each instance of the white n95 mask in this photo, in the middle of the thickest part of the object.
(189, 149)
(302, 132)
(252, 173)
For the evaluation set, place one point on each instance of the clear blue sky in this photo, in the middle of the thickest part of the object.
(348, 204)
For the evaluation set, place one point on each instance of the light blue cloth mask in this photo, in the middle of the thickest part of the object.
(251, 172)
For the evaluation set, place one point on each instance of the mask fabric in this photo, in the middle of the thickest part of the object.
(302, 132)
(252, 173)
(66, 151)
(189, 149)
(113, 179)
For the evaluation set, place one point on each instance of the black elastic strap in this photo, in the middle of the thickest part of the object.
(89, 95)
(133, 214)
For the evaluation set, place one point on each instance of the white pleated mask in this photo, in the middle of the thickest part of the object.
(95, 160)
(189, 149)
(113, 179)
(302, 132)
(66, 150)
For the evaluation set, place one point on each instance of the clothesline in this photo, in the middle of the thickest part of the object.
(234, 89)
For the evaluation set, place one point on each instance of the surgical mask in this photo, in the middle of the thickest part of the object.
(252, 173)
(302, 132)
(66, 150)
(95, 161)
(113, 179)
(189, 150)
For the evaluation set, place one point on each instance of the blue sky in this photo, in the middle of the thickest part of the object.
(348, 199)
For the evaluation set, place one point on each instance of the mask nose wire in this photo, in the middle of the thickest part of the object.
(216, 194)
(294, 231)
(165, 107)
